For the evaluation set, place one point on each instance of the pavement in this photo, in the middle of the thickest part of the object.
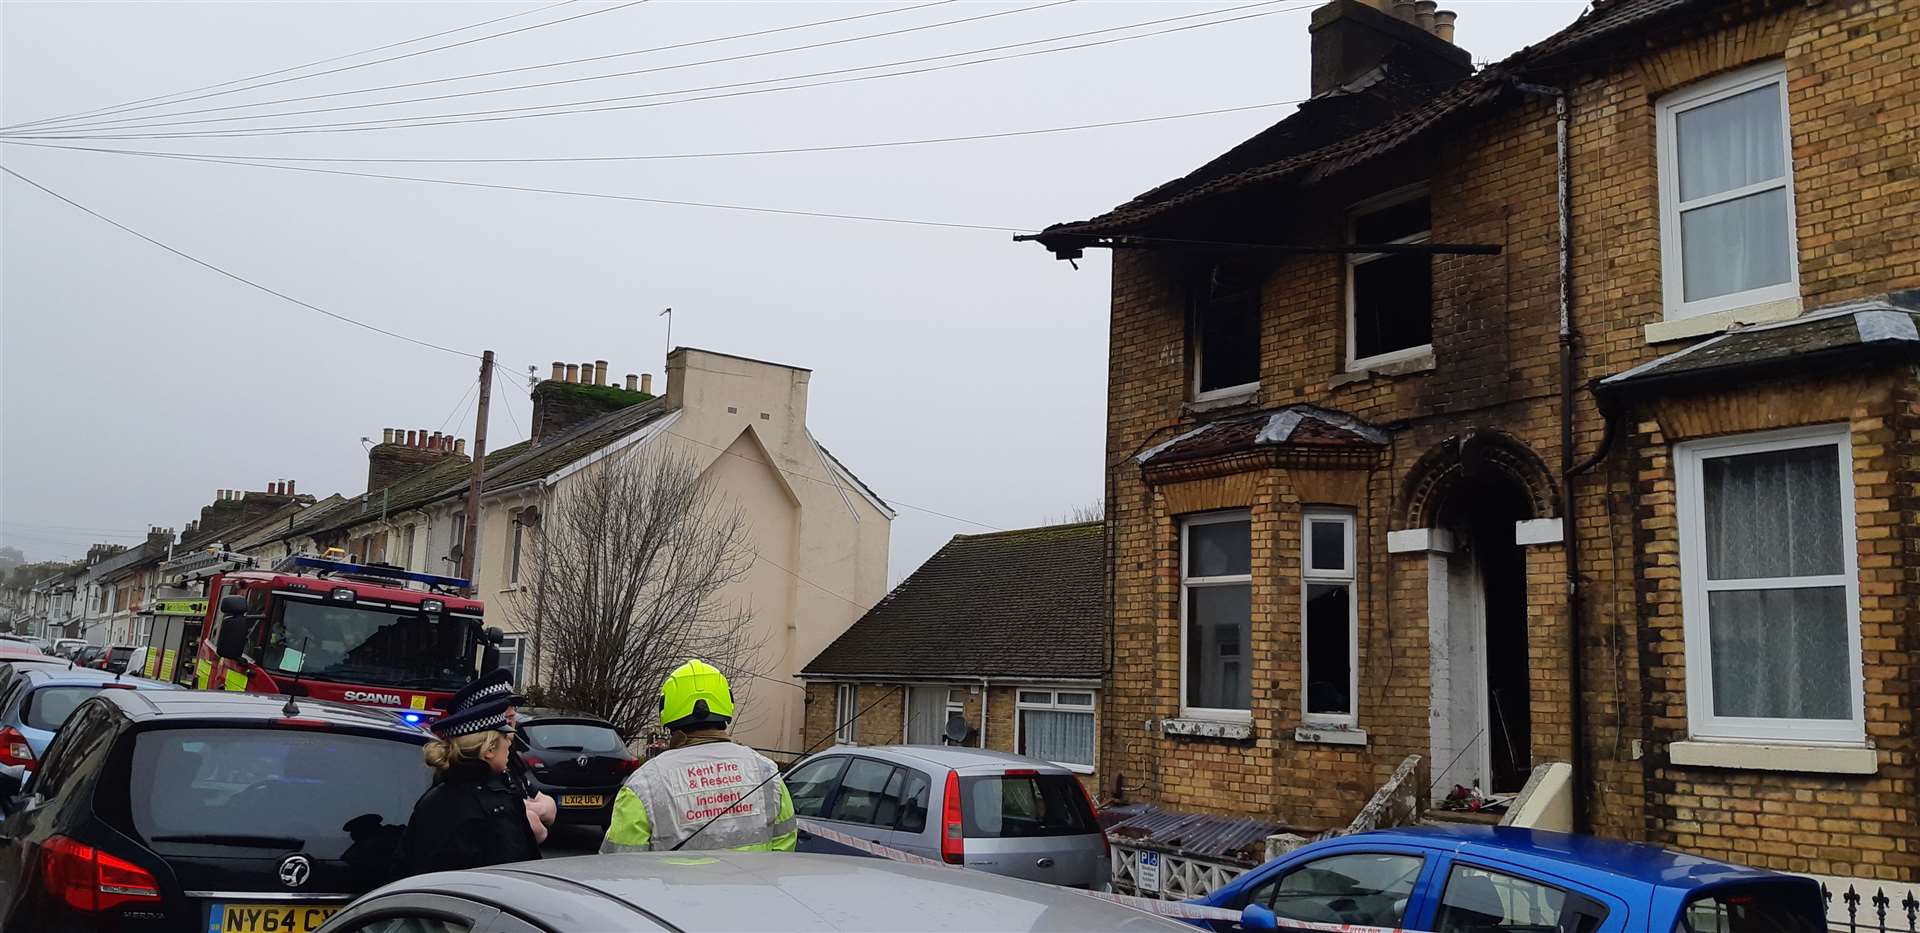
(571, 840)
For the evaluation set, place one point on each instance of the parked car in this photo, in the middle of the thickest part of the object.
(87, 656)
(136, 662)
(115, 658)
(578, 759)
(35, 701)
(1499, 879)
(23, 643)
(998, 812)
(66, 647)
(733, 891)
(181, 811)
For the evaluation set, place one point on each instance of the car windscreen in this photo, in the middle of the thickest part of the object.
(48, 707)
(370, 645)
(1790, 905)
(1019, 806)
(574, 737)
(274, 791)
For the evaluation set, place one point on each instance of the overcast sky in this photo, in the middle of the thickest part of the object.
(954, 370)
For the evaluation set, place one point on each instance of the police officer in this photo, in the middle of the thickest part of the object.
(704, 791)
(469, 818)
(497, 685)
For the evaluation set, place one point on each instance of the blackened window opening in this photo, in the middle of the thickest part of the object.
(1226, 328)
(1391, 301)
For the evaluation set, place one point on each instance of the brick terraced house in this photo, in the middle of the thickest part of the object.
(1639, 300)
(995, 640)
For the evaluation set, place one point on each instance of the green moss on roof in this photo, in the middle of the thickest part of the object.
(608, 397)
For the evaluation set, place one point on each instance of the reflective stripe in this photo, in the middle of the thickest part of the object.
(630, 829)
(784, 843)
(715, 795)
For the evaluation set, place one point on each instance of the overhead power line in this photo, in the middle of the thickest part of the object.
(711, 154)
(518, 113)
(344, 68)
(231, 275)
(564, 81)
(830, 215)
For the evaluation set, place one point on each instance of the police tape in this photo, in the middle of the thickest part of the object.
(1176, 909)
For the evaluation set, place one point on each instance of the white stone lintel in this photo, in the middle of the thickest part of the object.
(1538, 531)
(1416, 540)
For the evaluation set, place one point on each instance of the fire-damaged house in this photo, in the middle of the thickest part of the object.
(1555, 421)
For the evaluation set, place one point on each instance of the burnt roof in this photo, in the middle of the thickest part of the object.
(1369, 118)
(1295, 426)
(1027, 603)
(1876, 328)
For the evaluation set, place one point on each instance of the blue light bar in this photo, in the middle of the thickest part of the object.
(299, 562)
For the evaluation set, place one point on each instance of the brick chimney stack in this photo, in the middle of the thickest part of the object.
(1351, 38)
(402, 453)
(578, 392)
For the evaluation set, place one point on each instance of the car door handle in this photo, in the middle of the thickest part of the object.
(1043, 862)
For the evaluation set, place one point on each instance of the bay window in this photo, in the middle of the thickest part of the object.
(1770, 586)
(1216, 607)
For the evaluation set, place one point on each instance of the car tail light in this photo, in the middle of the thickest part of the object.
(14, 749)
(953, 836)
(87, 879)
(629, 765)
(1023, 772)
(533, 761)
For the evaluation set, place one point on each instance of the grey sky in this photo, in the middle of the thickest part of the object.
(953, 370)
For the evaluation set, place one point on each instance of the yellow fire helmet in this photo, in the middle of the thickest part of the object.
(695, 694)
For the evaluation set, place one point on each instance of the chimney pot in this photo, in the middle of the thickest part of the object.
(646, 383)
(386, 436)
(436, 441)
(559, 371)
(599, 372)
(1443, 21)
(572, 373)
(289, 487)
(411, 440)
(1404, 9)
(423, 437)
(1423, 11)
(633, 383)
(460, 446)
(586, 374)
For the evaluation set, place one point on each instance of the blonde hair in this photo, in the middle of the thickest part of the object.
(442, 754)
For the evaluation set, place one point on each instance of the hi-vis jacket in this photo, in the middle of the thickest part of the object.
(681, 789)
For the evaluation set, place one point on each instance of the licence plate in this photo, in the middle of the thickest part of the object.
(582, 800)
(268, 918)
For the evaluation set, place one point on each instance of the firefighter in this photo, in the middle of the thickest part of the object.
(705, 791)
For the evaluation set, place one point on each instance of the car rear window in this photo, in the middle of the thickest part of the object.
(1788, 906)
(330, 795)
(48, 707)
(1020, 806)
(574, 737)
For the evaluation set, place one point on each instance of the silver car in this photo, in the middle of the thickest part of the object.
(993, 811)
(733, 891)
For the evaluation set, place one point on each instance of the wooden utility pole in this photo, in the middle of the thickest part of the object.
(472, 539)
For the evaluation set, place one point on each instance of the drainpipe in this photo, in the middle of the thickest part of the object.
(1569, 529)
(984, 693)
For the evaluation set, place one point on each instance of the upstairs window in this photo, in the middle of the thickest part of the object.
(1225, 332)
(1726, 194)
(1389, 295)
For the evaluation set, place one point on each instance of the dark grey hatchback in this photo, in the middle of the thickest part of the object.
(171, 811)
(578, 759)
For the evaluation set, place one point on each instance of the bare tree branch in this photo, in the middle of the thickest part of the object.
(629, 567)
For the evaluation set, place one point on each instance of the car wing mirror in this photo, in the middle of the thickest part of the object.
(1255, 918)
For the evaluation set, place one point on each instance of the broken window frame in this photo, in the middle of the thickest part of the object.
(1203, 300)
(1690, 498)
(1190, 583)
(1375, 205)
(1672, 208)
(1347, 577)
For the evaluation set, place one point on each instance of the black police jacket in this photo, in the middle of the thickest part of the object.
(466, 820)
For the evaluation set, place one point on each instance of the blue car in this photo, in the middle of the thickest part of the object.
(35, 700)
(1503, 880)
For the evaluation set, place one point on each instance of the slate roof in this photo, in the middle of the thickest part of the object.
(1887, 327)
(1296, 426)
(1028, 603)
(1343, 128)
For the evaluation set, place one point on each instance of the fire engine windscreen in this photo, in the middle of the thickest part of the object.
(368, 645)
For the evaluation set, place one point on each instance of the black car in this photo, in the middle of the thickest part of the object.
(578, 759)
(116, 658)
(183, 811)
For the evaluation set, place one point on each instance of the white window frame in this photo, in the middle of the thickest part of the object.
(1091, 708)
(846, 706)
(1347, 577)
(1672, 274)
(1690, 491)
(514, 531)
(519, 667)
(1200, 358)
(1354, 260)
(1187, 583)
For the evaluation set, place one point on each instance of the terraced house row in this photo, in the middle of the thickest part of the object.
(1563, 410)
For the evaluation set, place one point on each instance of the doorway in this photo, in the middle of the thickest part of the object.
(1483, 735)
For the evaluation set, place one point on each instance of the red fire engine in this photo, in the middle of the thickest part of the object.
(372, 634)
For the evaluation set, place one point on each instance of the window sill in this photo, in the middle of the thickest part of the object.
(1701, 325)
(1233, 729)
(1224, 399)
(1418, 360)
(1330, 735)
(1805, 759)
